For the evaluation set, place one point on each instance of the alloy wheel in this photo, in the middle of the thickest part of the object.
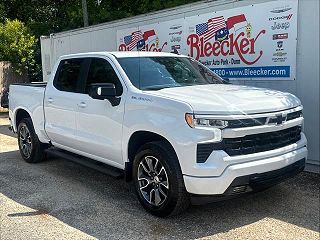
(153, 181)
(25, 141)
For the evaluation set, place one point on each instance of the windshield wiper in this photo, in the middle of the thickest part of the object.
(153, 88)
(158, 87)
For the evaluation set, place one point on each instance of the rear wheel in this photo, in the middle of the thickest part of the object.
(31, 149)
(158, 180)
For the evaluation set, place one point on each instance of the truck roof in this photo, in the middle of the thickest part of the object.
(124, 54)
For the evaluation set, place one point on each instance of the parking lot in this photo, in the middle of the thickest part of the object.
(58, 199)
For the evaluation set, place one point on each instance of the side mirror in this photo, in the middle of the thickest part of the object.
(103, 91)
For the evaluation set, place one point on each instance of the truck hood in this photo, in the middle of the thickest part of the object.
(230, 99)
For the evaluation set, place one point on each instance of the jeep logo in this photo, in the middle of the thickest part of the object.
(278, 26)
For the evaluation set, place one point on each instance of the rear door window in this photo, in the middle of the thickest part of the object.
(69, 75)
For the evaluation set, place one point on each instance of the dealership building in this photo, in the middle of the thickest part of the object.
(262, 43)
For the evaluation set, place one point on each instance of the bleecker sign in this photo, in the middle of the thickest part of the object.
(225, 44)
(139, 40)
(242, 42)
(239, 45)
(235, 43)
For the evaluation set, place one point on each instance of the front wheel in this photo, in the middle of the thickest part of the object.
(31, 149)
(158, 180)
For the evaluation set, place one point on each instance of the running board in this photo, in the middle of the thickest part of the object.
(87, 162)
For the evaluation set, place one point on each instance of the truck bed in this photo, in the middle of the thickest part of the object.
(28, 97)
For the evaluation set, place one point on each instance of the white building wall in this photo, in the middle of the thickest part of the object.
(307, 84)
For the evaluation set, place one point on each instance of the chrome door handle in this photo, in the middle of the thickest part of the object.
(50, 100)
(82, 105)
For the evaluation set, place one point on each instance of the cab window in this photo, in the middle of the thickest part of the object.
(101, 71)
(68, 75)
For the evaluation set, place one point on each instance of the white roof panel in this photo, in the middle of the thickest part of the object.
(143, 54)
(123, 54)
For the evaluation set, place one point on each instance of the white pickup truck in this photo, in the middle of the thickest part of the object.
(166, 122)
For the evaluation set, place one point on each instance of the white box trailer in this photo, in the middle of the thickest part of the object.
(302, 55)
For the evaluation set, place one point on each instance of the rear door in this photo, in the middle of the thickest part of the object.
(60, 102)
(99, 124)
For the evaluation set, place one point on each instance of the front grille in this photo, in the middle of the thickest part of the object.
(251, 144)
(294, 115)
(252, 122)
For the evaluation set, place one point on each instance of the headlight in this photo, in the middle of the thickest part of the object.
(203, 122)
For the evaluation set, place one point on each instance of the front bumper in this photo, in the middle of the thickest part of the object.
(219, 184)
(252, 183)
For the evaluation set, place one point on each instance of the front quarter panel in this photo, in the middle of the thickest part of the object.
(165, 117)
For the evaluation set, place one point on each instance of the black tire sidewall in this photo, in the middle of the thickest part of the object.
(166, 159)
(35, 156)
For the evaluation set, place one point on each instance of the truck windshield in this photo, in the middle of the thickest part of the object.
(155, 73)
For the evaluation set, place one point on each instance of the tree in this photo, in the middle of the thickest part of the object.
(45, 16)
(2, 13)
(51, 16)
(17, 45)
(109, 10)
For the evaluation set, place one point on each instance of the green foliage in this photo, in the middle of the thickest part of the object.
(2, 13)
(48, 16)
(43, 17)
(17, 45)
(110, 10)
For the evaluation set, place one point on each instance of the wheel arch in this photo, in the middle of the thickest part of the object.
(20, 114)
(138, 139)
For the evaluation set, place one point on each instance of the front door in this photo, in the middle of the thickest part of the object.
(99, 124)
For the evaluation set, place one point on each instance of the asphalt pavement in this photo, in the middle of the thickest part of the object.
(58, 199)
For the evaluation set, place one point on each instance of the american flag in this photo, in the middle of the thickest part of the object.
(132, 40)
(208, 29)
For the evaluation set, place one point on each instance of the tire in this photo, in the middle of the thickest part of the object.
(165, 186)
(31, 149)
